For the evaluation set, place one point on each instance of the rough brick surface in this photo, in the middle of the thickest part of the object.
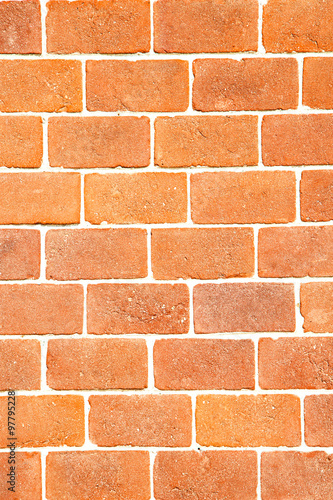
(318, 82)
(317, 307)
(318, 420)
(316, 195)
(19, 254)
(20, 27)
(28, 468)
(20, 365)
(21, 141)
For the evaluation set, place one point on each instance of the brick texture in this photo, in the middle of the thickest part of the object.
(318, 420)
(19, 254)
(318, 82)
(20, 27)
(316, 195)
(28, 468)
(317, 307)
(21, 141)
(20, 365)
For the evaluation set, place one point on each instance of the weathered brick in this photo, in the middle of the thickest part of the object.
(20, 27)
(317, 307)
(318, 82)
(316, 195)
(21, 143)
(20, 365)
(318, 420)
(19, 254)
(28, 476)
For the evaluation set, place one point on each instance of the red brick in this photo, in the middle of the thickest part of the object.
(20, 365)
(71, 475)
(146, 198)
(77, 364)
(21, 143)
(214, 141)
(236, 421)
(318, 82)
(248, 84)
(41, 309)
(146, 85)
(74, 254)
(19, 254)
(317, 307)
(28, 476)
(120, 26)
(245, 307)
(205, 475)
(192, 364)
(297, 139)
(316, 195)
(43, 197)
(243, 197)
(97, 142)
(318, 420)
(152, 420)
(20, 27)
(205, 26)
(202, 253)
(138, 308)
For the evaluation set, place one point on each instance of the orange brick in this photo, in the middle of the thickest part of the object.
(153, 420)
(41, 309)
(19, 254)
(318, 420)
(138, 308)
(146, 198)
(236, 421)
(28, 476)
(76, 364)
(190, 364)
(245, 307)
(45, 421)
(21, 143)
(202, 253)
(318, 82)
(74, 254)
(146, 85)
(243, 197)
(20, 27)
(97, 142)
(20, 365)
(316, 195)
(213, 141)
(317, 307)
(248, 84)
(205, 26)
(117, 27)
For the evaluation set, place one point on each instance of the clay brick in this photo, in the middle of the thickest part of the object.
(248, 84)
(97, 142)
(43, 197)
(21, 144)
(318, 82)
(245, 307)
(142, 198)
(205, 26)
(318, 420)
(71, 475)
(74, 254)
(243, 197)
(316, 195)
(207, 474)
(192, 364)
(117, 27)
(202, 253)
(20, 27)
(77, 364)
(317, 307)
(45, 421)
(28, 476)
(296, 363)
(213, 141)
(146, 85)
(295, 251)
(19, 254)
(235, 421)
(153, 420)
(41, 309)
(20, 365)
(297, 139)
(138, 308)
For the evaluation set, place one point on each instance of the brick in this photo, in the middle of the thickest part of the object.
(138, 308)
(45, 421)
(223, 474)
(97, 474)
(318, 420)
(117, 27)
(297, 139)
(205, 26)
(236, 421)
(295, 251)
(78, 364)
(20, 365)
(202, 253)
(318, 82)
(213, 141)
(40, 198)
(243, 197)
(148, 85)
(41, 309)
(97, 142)
(296, 363)
(317, 307)
(245, 307)
(21, 143)
(316, 195)
(19, 254)
(140, 198)
(152, 420)
(28, 476)
(190, 364)
(20, 27)
(74, 254)
(248, 84)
